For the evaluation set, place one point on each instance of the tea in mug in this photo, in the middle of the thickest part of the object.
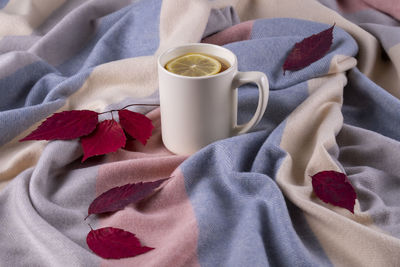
(197, 65)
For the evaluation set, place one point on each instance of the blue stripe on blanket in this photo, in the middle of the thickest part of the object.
(3, 3)
(240, 210)
(369, 106)
(19, 92)
(40, 92)
(130, 32)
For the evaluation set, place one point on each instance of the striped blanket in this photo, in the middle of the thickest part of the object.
(242, 201)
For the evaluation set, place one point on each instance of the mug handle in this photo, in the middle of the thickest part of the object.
(261, 80)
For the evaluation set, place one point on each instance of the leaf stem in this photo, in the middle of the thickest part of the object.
(112, 110)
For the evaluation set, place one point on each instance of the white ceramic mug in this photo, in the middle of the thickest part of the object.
(196, 111)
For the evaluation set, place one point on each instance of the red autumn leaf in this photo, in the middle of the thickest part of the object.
(114, 243)
(107, 137)
(118, 197)
(65, 125)
(309, 50)
(136, 125)
(334, 188)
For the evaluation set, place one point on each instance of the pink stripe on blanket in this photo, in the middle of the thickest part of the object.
(350, 6)
(391, 7)
(166, 220)
(236, 33)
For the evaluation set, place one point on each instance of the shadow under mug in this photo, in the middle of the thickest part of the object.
(196, 111)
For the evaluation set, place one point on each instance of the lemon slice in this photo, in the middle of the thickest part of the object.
(194, 65)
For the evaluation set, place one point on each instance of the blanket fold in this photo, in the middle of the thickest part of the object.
(247, 200)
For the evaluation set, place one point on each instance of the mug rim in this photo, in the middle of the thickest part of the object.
(225, 72)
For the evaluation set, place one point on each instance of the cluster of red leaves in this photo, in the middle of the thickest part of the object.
(115, 243)
(97, 138)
